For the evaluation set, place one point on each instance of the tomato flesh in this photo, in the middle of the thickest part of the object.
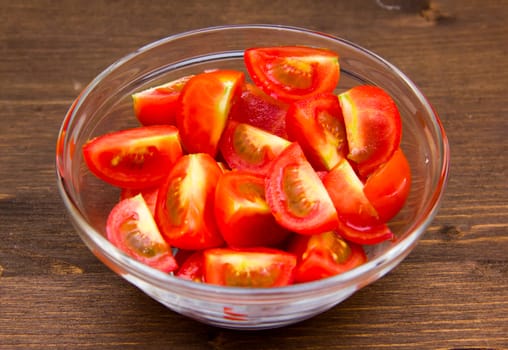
(289, 73)
(296, 195)
(132, 229)
(204, 105)
(249, 148)
(192, 267)
(185, 203)
(323, 255)
(243, 216)
(316, 123)
(255, 267)
(134, 158)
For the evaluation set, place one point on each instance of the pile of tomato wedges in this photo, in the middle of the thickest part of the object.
(257, 179)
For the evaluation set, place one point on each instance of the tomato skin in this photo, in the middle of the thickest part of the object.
(316, 123)
(132, 229)
(248, 148)
(243, 216)
(346, 191)
(387, 188)
(296, 195)
(207, 97)
(185, 203)
(249, 267)
(258, 109)
(134, 158)
(373, 126)
(192, 267)
(289, 73)
(323, 255)
(158, 105)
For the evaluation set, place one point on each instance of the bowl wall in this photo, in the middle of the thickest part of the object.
(106, 105)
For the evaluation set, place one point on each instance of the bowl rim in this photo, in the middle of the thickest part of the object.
(167, 281)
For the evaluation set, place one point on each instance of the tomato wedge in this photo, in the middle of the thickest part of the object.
(243, 216)
(346, 191)
(387, 188)
(258, 109)
(134, 158)
(131, 228)
(158, 105)
(296, 195)
(192, 267)
(373, 126)
(289, 73)
(316, 123)
(324, 255)
(253, 267)
(185, 203)
(246, 147)
(204, 105)
(149, 195)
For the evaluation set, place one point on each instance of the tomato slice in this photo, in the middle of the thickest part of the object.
(158, 105)
(373, 126)
(134, 158)
(204, 105)
(149, 195)
(243, 216)
(346, 191)
(296, 195)
(185, 203)
(254, 267)
(365, 235)
(192, 267)
(324, 255)
(316, 123)
(289, 73)
(258, 109)
(131, 228)
(387, 188)
(246, 147)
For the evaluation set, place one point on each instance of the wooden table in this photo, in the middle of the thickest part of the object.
(450, 293)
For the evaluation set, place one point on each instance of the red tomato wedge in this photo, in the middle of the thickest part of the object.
(204, 105)
(158, 105)
(134, 158)
(296, 195)
(243, 216)
(254, 267)
(192, 267)
(149, 195)
(365, 235)
(316, 123)
(324, 255)
(387, 188)
(346, 191)
(185, 203)
(131, 228)
(289, 73)
(373, 126)
(246, 147)
(258, 109)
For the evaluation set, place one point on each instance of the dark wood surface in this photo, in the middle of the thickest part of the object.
(450, 293)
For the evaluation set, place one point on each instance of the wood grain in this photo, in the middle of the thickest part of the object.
(450, 293)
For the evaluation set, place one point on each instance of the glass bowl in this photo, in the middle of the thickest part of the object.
(105, 105)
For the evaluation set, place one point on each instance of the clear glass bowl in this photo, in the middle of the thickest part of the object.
(106, 105)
